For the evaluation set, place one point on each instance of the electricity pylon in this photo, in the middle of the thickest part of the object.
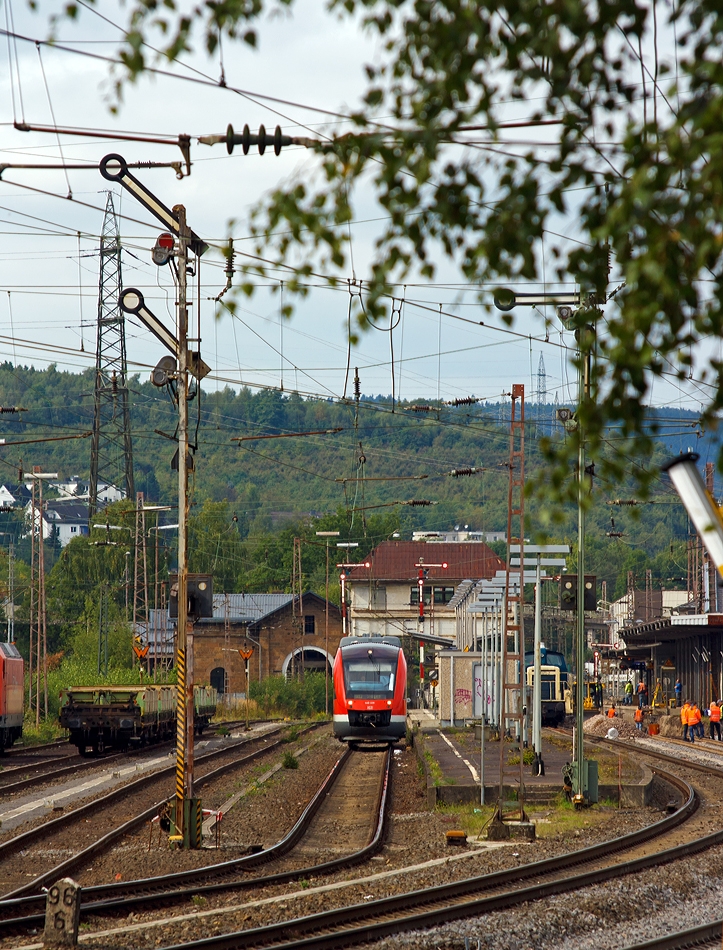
(111, 454)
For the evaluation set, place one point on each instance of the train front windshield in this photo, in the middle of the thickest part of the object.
(369, 673)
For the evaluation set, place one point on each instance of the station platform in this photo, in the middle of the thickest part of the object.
(458, 755)
(452, 760)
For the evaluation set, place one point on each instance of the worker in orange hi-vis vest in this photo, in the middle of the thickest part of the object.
(695, 725)
(684, 710)
(714, 716)
(611, 712)
(639, 714)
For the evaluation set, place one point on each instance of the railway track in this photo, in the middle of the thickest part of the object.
(348, 926)
(91, 812)
(49, 769)
(361, 923)
(359, 792)
(69, 763)
(27, 750)
(704, 937)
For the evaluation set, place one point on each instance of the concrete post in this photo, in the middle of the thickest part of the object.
(62, 914)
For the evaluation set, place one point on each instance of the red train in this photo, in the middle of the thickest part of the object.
(11, 695)
(370, 690)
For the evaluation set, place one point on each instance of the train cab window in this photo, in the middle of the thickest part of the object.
(310, 624)
(368, 676)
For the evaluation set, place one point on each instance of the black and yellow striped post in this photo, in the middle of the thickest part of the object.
(184, 662)
(180, 742)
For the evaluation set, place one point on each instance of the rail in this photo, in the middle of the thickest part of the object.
(150, 890)
(391, 915)
(703, 934)
(42, 831)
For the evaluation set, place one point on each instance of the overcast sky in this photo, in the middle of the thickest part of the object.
(307, 57)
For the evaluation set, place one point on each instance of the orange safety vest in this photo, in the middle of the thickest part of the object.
(714, 712)
(611, 713)
(684, 714)
(694, 716)
(638, 715)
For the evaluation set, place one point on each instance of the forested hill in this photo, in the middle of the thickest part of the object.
(378, 457)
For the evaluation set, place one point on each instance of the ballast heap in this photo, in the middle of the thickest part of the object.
(116, 717)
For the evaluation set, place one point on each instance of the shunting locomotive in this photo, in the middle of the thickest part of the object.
(370, 690)
(554, 679)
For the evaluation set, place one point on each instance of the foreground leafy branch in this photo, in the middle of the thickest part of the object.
(632, 169)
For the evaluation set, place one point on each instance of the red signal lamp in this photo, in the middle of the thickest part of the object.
(163, 248)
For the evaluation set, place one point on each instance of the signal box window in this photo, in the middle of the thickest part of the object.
(442, 595)
(309, 623)
(414, 595)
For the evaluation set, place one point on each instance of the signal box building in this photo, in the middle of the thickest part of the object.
(385, 595)
(288, 638)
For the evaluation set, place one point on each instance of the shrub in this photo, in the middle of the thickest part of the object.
(297, 698)
(290, 761)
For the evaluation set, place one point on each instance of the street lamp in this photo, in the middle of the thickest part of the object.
(327, 535)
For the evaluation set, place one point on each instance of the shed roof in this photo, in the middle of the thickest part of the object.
(398, 561)
(247, 608)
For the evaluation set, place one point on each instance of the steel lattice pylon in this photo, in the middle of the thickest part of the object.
(111, 458)
(512, 706)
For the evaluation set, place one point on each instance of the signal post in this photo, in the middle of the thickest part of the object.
(177, 241)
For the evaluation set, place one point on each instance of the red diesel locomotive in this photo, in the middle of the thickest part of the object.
(370, 690)
(11, 695)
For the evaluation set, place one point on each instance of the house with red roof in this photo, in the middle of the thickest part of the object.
(384, 596)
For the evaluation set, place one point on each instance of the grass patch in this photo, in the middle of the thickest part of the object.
(565, 820)
(295, 698)
(528, 757)
(48, 730)
(433, 767)
(226, 712)
(472, 819)
(290, 761)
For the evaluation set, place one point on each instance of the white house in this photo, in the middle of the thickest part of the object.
(385, 596)
(67, 519)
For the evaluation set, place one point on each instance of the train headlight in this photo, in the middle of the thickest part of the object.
(389, 702)
(349, 702)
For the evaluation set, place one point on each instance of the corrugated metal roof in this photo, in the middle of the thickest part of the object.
(397, 560)
(247, 607)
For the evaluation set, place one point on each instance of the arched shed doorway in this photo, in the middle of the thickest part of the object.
(218, 679)
(310, 659)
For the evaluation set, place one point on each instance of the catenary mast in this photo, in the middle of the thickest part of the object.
(111, 458)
